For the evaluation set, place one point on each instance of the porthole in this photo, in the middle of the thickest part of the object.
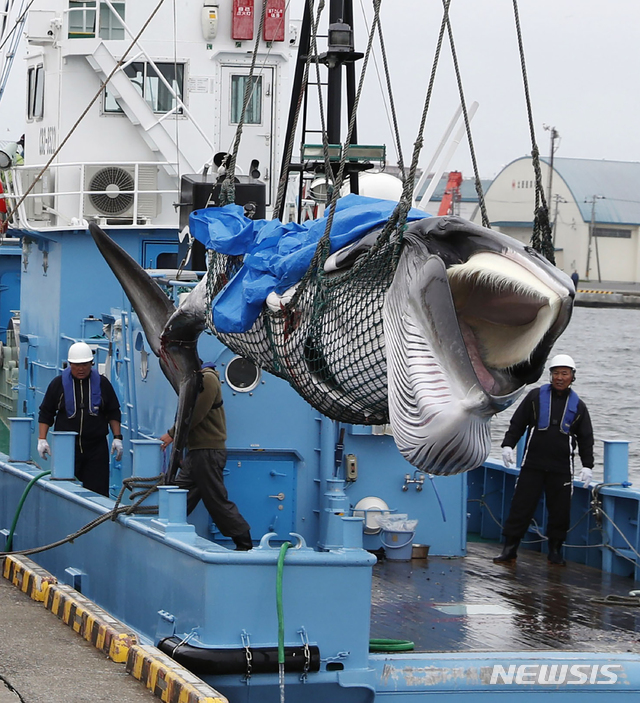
(242, 375)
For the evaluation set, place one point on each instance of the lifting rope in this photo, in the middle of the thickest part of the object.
(541, 238)
(465, 115)
(228, 188)
(392, 105)
(308, 332)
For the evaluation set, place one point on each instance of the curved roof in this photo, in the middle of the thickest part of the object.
(616, 185)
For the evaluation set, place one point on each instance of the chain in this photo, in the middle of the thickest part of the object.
(246, 643)
(307, 655)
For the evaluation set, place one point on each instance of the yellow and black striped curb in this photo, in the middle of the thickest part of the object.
(167, 679)
(90, 621)
(28, 577)
(604, 292)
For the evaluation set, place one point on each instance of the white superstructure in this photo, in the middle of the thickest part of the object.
(171, 105)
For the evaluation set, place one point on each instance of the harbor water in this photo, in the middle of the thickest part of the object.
(604, 343)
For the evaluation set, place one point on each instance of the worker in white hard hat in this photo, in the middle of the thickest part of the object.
(555, 420)
(81, 400)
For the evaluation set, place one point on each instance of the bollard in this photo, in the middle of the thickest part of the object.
(172, 514)
(616, 461)
(147, 458)
(63, 455)
(163, 502)
(20, 438)
(177, 506)
(334, 506)
(147, 463)
(352, 532)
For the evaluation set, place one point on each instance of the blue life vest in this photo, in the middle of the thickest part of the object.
(69, 393)
(570, 409)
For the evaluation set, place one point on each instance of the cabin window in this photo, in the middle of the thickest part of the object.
(110, 25)
(253, 114)
(35, 92)
(82, 19)
(150, 86)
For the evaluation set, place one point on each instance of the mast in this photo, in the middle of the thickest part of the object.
(340, 53)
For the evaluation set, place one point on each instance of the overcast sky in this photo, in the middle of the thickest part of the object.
(583, 65)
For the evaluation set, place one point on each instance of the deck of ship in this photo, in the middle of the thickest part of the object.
(469, 604)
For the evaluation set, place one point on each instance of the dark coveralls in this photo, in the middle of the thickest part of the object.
(201, 470)
(92, 448)
(547, 464)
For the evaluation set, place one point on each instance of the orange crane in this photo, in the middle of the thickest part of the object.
(450, 192)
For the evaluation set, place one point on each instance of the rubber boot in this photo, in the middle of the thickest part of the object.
(509, 552)
(243, 542)
(555, 553)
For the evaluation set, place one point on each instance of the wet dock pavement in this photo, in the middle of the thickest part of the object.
(42, 660)
(470, 604)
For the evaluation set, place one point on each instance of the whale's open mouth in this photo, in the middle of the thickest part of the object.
(462, 340)
(504, 312)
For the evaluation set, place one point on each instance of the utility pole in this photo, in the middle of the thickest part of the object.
(552, 150)
(592, 236)
(559, 199)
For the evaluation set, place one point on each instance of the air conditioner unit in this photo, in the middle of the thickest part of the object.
(108, 191)
(34, 206)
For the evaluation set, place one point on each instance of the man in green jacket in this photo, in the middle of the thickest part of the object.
(201, 469)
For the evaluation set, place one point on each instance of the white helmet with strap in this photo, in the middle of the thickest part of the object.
(80, 353)
(562, 360)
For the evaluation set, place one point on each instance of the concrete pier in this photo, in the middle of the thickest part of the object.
(608, 294)
(44, 661)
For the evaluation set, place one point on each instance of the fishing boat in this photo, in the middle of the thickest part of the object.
(133, 116)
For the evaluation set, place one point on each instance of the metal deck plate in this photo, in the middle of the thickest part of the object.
(470, 604)
(474, 609)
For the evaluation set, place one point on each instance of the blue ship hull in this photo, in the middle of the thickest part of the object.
(168, 577)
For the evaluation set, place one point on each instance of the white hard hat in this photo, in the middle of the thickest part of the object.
(562, 360)
(80, 353)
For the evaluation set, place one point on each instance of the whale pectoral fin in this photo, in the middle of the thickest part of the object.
(147, 298)
(187, 396)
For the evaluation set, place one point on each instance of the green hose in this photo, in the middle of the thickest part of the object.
(390, 645)
(9, 543)
(283, 551)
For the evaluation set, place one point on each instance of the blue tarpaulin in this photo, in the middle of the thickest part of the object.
(277, 255)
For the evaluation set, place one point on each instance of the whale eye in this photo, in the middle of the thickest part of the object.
(442, 229)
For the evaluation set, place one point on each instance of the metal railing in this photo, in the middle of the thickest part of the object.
(15, 182)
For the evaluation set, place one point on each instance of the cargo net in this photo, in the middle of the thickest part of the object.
(328, 340)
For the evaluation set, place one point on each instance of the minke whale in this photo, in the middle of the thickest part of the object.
(463, 325)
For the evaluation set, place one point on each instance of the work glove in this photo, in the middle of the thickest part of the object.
(585, 476)
(43, 448)
(116, 448)
(508, 457)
